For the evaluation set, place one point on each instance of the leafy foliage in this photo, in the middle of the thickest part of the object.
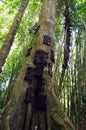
(21, 43)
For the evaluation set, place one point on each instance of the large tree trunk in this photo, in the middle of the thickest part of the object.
(11, 34)
(20, 116)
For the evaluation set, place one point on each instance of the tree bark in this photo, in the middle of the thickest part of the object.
(59, 119)
(16, 116)
(4, 51)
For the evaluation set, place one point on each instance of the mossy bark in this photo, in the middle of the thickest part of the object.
(16, 116)
(59, 119)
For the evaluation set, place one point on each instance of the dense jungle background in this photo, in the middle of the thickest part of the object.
(69, 69)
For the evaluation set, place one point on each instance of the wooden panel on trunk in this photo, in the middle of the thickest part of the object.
(47, 40)
(40, 86)
(29, 74)
(52, 56)
(40, 57)
(38, 72)
(29, 95)
(41, 102)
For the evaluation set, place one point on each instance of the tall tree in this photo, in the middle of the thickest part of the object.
(11, 34)
(33, 104)
(67, 43)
